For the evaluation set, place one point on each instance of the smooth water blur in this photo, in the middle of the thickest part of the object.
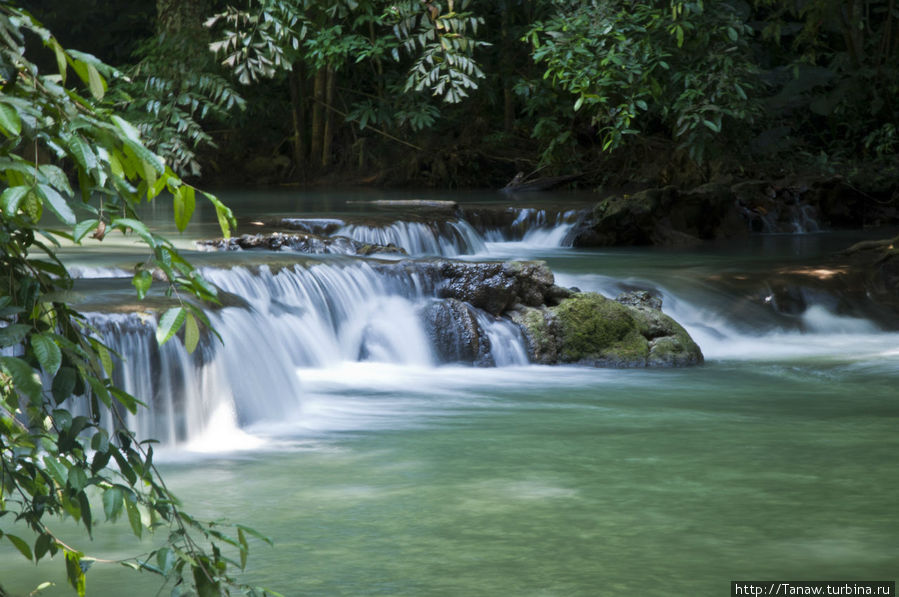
(774, 460)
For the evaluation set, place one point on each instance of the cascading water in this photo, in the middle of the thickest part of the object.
(447, 239)
(535, 227)
(297, 318)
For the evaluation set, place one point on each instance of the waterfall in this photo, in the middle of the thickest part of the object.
(316, 316)
(534, 227)
(447, 239)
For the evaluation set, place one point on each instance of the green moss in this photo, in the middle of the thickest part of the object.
(594, 327)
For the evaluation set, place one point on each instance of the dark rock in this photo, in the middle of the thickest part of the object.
(496, 287)
(455, 333)
(662, 216)
(674, 218)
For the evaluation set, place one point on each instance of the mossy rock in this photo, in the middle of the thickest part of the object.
(595, 329)
(589, 329)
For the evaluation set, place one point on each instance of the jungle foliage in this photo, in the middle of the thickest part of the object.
(459, 92)
(73, 169)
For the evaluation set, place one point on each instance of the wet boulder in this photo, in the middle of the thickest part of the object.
(497, 287)
(455, 334)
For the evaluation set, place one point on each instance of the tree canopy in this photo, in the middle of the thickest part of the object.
(461, 92)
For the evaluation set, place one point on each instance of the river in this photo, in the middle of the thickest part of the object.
(377, 471)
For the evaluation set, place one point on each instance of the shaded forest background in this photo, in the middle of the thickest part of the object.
(468, 94)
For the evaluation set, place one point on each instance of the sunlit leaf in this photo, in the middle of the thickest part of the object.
(169, 324)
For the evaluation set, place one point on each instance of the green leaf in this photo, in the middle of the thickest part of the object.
(57, 203)
(77, 478)
(23, 547)
(84, 227)
(130, 131)
(711, 125)
(224, 214)
(244, 548)
(185, 203)
(83, 153)
(41, 547)
(56, 177)
(169, 324)
(75, 573)
(47, 352)
(61, 62)
(139, 227)
(165, 559)
(11, 198)
(95, 82)
(191, 333)
(254, 533)
(126, 399)
(64, 384)
(57, 470)
(113, 500)
(23, 376)
(134, 519)
(105, 358)
(142, 281)
(10, 123)
(206, 587)
(13, 334)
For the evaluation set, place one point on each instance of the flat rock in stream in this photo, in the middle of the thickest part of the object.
(300, 243)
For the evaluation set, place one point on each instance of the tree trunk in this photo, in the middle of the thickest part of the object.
(328, 135)
(297, 105)
(318, 116)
